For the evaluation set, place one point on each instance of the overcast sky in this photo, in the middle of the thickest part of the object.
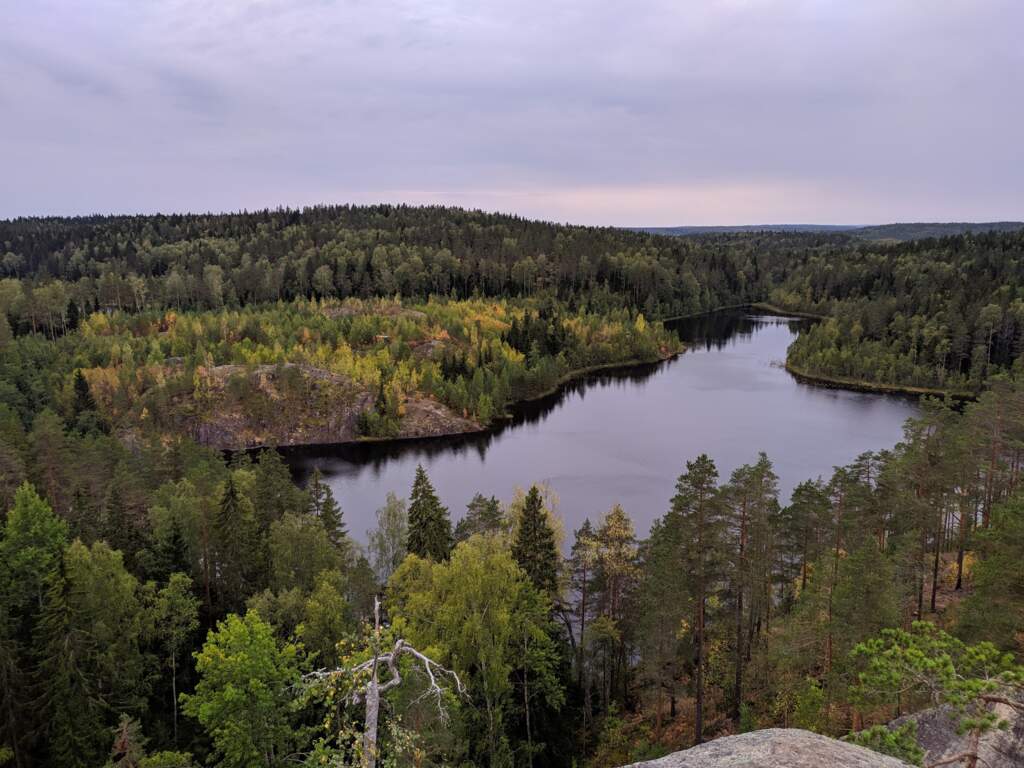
(627, 112)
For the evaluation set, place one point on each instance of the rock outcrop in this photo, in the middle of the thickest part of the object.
(775, 748)
(236, 407)
(999, 748)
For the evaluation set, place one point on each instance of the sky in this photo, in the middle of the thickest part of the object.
(638, 113)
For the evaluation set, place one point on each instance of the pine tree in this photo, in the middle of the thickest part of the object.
(750, 504)
(582, 564)
(323, 506)
(660, 613)
(430, 528)
(483, 515)
(802, 535)
(697, 510)
(615, 578)
(534, 546)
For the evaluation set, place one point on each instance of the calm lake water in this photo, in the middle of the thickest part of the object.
(624, 437)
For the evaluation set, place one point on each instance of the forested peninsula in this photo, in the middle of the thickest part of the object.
(165, 605)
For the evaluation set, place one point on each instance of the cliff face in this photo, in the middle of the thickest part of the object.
(238, 407)
(775, 748)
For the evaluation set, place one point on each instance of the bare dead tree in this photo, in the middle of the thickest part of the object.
(384, 673)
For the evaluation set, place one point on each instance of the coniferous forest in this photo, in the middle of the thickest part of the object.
(166, 603)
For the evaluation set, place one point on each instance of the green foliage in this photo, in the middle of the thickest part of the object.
(175, 618)
(929, 663)
(483, 515)
(273, 492)
(534, 546)
(899, 742)
(995, 609)
(156, 328)
(244, 695)
(387, 542)
(300, 549)
(620, 742)
(484, 619)
(809, 707)
(430, 528)
(323, 506)
(75, 732)
(327, 618)
(30, 549)
(748, 721)
(128, 749)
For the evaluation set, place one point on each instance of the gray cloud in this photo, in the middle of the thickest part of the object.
(652, 112)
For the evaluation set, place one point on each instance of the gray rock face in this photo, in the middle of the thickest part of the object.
(775, 748)
(937, 735)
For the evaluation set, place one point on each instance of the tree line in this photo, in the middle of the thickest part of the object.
(941, 312)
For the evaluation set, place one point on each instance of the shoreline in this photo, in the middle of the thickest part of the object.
(858, 385)
(497, 422)
(761, 306)
(580, 373)
(836, 382)
(805, 377)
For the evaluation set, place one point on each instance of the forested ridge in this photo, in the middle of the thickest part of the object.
(941, 313)
(164, 605)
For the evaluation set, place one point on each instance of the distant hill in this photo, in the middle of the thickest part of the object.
(908, 231)
(920, 231)
(680, 231)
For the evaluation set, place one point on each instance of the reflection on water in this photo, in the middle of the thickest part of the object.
(624, 436)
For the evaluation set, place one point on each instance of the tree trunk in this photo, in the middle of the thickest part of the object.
(935, 566)
(370, 726)
(526, 707)
(698, 676)
(741, 567)
(174, 697)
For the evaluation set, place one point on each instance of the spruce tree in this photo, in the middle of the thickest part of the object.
(83, 399)
(534, 547)
(273, 491)
(233, 545)
(323, 506)
(68, 707)
(119, 528)
(171, 553)
(430, 529)
(74, 316)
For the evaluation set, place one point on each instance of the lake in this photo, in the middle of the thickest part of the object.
(624, 437)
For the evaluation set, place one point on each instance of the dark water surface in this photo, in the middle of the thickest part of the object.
(625, 437)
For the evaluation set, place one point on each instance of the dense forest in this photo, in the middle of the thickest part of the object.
(287, 372)
(165, 607)
(163, 604)
(940, 313)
